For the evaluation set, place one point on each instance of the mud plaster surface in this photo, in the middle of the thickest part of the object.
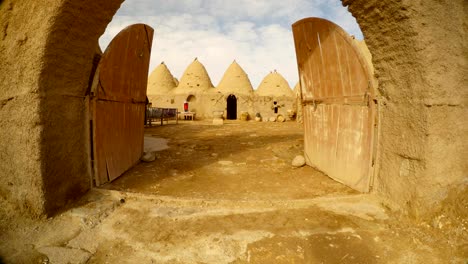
(173, 218)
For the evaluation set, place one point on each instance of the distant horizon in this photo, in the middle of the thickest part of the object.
(256, 34)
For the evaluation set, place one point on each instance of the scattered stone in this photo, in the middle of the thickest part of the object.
(291, 114)
(298, 161)
(280, 118)
(148, 157)
(272, 119)
(43, 259)
(225, 162)
(245, 116)
(258, 117)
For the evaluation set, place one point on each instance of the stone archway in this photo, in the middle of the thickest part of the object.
(46, 62)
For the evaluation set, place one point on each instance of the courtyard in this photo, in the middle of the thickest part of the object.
(228, 194)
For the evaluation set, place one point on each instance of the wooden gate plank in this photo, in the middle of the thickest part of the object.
(338, 118)
(119, 103)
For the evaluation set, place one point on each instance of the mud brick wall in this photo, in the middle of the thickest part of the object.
(419, 50)
(46, 54)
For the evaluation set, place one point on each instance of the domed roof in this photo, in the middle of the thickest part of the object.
(274, 85)
(235, 81)
(194, 79)
(160, 80)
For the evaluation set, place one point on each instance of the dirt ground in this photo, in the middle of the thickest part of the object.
(228, 194)
(235, 161)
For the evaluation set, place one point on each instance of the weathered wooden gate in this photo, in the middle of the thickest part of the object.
(338, 102)
(118, 103)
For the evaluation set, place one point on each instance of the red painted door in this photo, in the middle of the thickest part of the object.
(338, 102)
(119, 101)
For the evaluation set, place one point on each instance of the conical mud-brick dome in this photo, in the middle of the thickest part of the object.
(235, 81)
(160, 81)
(194, 80)
(274, 85)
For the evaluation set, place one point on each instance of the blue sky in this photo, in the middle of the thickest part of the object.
(256, 33)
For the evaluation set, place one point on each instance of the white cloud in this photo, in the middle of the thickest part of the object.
(255, 33)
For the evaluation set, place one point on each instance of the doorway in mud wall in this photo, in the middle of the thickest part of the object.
(191, 100)
(231, 107)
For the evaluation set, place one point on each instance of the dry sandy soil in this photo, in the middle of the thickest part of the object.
(228, 194)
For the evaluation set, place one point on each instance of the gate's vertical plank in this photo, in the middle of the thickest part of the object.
(120, 102)
(338, 120)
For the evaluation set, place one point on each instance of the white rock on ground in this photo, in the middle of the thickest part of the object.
(148, 156)
(298, 161)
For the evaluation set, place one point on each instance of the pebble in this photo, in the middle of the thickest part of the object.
(148, 157)
(298, 161)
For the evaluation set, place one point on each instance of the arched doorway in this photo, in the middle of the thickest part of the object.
(231, 107)
(275, 107)
(190, 103)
